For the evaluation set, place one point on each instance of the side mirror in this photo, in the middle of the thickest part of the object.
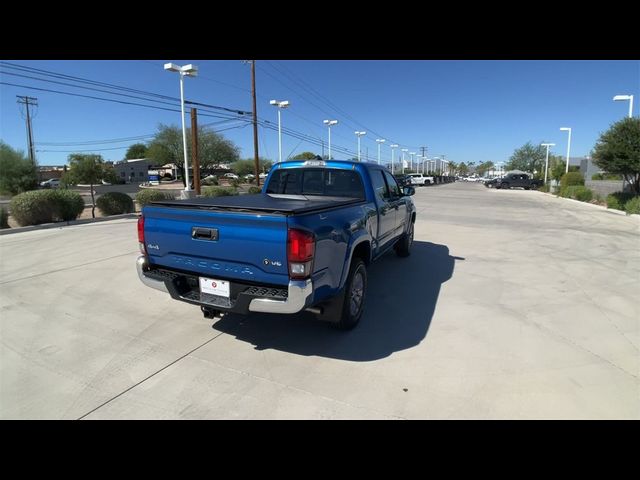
(408, 191)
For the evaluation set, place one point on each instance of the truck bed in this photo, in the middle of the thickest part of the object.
(265, 203)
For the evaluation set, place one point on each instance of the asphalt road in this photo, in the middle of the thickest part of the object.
(513, 304)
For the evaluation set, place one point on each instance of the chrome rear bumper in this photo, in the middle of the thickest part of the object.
(299, 293)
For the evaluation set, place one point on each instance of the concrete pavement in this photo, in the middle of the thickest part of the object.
(513, 304)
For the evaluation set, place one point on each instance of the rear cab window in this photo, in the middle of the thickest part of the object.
(330, 182)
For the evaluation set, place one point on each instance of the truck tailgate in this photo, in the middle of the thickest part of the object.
(250, 247)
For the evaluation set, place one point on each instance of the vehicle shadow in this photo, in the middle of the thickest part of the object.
(401, 298)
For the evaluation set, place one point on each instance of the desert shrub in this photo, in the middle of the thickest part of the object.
(618, 200)
(253, 190)
(571, 179)
(235, 182)
(632, 206)
(606, 176)
(219, 192)
(577, 192)
(145, 196)
(583, 194)
(45, 206)
(115, 203)
(4, 218)
(544, 188)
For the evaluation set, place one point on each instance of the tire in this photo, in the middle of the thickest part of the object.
(403, 247)
(354, 297)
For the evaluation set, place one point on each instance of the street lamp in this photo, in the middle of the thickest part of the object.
(393, 150)
(359, 134)
(567, 129)
(184, 71)
(411, 160)
(546, 162)
(329, 123)
(404, 150)
(379, 141)
(625, 97)
(280, 104)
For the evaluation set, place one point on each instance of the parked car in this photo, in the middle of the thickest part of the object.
(231, 175)
(513, 180)
(51, 183)
(262, 176)
(420, 179)
(304, 243)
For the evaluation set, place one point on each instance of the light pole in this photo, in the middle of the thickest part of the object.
(184, 71)
(393, 150)
(567, 129)
(625, 97)
(546, 162)
(280, 104)
(359, 134)
(379, 141)
(329, 123)
(411, 160)
(404, 150)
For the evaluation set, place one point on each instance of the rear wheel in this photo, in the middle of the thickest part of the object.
(355, 292)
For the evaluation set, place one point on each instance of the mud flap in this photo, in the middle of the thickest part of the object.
(332, 309)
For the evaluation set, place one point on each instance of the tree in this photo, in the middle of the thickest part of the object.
(484, 167)
(246, 166)
(213, 148)
(17, 173)
(463, 169)
(558, 167)
(618, 151)
(137, 150)
(528, 158)
(86, 168)
(305, 156)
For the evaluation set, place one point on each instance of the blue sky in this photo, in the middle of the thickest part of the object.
(468, 110)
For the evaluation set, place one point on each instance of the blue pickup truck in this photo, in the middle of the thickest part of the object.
(304, 243)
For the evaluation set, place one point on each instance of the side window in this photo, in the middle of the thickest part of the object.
(393, 185)
(379, 185)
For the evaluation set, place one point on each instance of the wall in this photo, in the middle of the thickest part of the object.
(604, 187)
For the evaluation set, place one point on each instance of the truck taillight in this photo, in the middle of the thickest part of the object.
(301, 247)
(141, 235)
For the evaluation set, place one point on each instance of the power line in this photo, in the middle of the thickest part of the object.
(48, 73)
(108, 99)
(121, 148)
(283, 71)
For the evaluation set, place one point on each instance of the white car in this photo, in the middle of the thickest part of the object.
(231, 175)
(51, 183)
(263, 176)
(420, 179)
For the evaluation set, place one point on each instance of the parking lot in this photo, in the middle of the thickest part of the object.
(513, 304)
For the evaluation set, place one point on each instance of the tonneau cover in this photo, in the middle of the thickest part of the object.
(286, 205)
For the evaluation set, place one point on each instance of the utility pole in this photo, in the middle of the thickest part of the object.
(255, 124)
(26, 101)
(194, 150)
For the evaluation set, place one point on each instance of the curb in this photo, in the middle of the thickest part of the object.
(605, 209)
(45, 226)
